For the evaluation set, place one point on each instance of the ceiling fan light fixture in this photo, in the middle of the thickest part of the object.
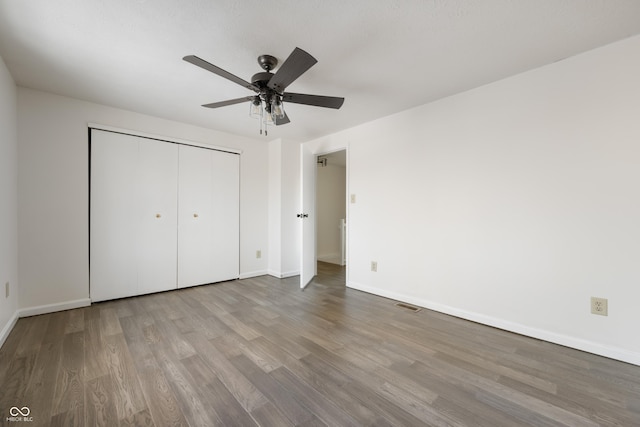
(277, 110)
(268, 114)
(255, 107)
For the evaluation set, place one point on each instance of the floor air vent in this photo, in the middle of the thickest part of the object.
(408, 307)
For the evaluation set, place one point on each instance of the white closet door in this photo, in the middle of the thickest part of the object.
(157, 216)
(194, 217)
(208, 216)
(133, 226)
(225, 191)
(113, 225)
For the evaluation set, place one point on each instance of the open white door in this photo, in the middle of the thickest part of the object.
(307, 215)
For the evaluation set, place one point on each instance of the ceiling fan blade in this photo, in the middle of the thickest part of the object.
(282, 121)
(293, 67)
(219, 71)
(315, 100)
(228, 102)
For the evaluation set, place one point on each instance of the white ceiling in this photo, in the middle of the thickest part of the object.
(382, 56)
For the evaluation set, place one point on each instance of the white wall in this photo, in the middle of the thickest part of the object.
(330, 208)
(275, 209)
(53, 193)
(8, 201)
(511, 204)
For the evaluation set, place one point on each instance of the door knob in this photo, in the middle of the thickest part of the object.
(303, 215)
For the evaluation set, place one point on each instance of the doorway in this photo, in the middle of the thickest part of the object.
(331, 213)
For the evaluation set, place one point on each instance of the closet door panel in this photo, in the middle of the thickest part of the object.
(195, 246)
(163, 216)
(225, 193)
(157, 216)
(113, 227)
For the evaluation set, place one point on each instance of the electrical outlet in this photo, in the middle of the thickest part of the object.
(258, 253)
(374, 266)
(599, 306)
(6, 290)
(353, 198)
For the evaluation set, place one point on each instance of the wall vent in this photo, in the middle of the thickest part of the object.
(408, 307)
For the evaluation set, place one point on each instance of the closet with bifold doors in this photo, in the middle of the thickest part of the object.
(162, 215)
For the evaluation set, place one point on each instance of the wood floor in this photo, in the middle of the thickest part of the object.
(261, 352)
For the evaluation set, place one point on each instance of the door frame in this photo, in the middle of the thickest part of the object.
(309, 252)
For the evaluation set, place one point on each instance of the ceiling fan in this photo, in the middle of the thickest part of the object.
(267, 103)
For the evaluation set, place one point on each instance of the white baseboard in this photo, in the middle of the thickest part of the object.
(251, 274)
(564, 340)
(330, 258)
(4, 333)
(283, 275)
(51, 308)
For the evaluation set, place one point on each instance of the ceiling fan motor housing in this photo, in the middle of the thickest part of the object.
(261, 79)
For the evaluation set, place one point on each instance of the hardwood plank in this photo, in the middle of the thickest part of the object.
(68, 396)
(201, 376)
(128, 394)
(229, 344)
(375, 400)
(330, 383)
(180, 387)
(69, 418)
(279, 396)
(100, 402)
(33, 337)
(40, 390)
(159, 393)
(259, 354)
(139, 419)
(9, 348)
(268, 416)
(322, 408)
(457, 400)
(503, 398)
(168, 334)
(230, 411)
(237, 384)
(75, 321)
(281, 341)
(154, 378)
(109, 322)
(13, 390)
(238, 326)
(580, 402)
(266, 355)
(96, 362)
(400, 392)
